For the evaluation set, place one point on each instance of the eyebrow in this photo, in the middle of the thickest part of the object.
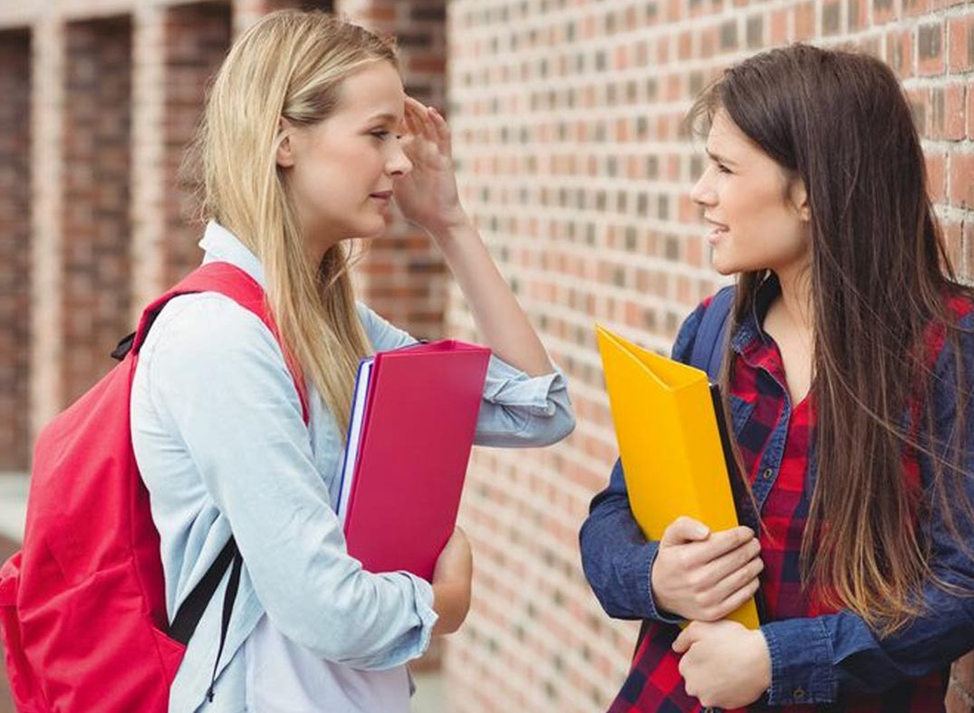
(384, 117)
(719, 159)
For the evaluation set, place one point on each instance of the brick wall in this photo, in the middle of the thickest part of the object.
(14, 249)
(565, 116)
(97, 174)
(566, 123)
(197, 38)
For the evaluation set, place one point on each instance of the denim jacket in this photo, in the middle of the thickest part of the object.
(813, 659)
(219, 438)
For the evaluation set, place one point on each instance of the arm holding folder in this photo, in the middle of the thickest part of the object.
(681, 549)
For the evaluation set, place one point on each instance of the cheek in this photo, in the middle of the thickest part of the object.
(756, 211)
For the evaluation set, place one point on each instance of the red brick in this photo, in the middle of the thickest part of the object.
(919, 99)
(858, 11)
(831, 17)
(885, 10)
(962, 180)
(936, 177)
(968, 265)
(954, 243)
(961, 51)
(956, 111)
(915, 8)
(804, 21)
(779, 27)
(901, 51)
(946, 112)
(930, 49)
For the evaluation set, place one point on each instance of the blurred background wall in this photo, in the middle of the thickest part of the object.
(565, 116)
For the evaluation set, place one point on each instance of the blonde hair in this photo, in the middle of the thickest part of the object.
(289, 64)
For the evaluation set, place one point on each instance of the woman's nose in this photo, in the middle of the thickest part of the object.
(399, 164)
(702, 192)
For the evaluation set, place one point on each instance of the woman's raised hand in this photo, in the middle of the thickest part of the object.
(428, 194)
(705, 576)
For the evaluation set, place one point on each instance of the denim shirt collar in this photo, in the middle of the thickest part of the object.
(220, 245)
(750, 334)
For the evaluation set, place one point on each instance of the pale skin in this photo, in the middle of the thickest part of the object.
(760, 220)
(379, 144)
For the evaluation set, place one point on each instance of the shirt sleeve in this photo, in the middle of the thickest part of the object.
(218, 379)
(616, 557)
(813, 660)
(517, 410)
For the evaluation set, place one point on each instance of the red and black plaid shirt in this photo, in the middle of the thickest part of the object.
(763, 414)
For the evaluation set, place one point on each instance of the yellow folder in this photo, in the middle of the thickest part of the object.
(669, 442)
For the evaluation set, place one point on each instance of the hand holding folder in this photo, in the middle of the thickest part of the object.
(675, 451)
(414, 414)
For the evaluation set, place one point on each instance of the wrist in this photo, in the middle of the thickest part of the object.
(662, 604)
(449, 225)
(764, 659)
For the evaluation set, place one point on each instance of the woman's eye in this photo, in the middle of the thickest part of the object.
(722, 168)
(380, 134)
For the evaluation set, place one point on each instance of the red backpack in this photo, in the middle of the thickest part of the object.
(82, 605)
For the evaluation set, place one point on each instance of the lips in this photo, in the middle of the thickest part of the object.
(382, 195)
(717, 231)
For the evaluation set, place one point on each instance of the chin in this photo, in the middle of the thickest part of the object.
(371, 228)
(723, 267)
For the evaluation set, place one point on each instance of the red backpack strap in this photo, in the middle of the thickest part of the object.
(232, 282)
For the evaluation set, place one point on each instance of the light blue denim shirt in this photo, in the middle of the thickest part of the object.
(222, 447)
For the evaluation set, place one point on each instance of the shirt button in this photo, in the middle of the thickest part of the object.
(799, 694)
(767, 476)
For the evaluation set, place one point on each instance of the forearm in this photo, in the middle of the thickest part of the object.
(451, 602)
(616, 558)
(498, 316)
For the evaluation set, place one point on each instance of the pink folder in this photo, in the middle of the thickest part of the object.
(410, 454)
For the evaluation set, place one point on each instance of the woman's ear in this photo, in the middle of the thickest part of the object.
(285, 149)
(799, 199)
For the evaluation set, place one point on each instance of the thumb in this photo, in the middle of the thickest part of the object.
(687, 638)
(684, 529)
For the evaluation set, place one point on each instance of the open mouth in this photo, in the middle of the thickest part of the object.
(717, 230)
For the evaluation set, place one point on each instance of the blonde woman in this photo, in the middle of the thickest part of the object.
(307, 138)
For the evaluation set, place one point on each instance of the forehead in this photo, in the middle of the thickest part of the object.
(724, 135)
(374, 90)
(726, 141)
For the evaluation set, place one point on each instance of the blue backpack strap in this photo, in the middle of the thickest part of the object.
(708, 350)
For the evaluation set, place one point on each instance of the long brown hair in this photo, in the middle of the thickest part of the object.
(880, 277)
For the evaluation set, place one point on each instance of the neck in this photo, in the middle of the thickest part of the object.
(796, 295)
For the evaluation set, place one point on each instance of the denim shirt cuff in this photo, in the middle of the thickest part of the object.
(643, 575)
(509, 386)
(801, 662)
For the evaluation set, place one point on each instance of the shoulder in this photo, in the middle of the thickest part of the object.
(703, 323)
(208, 328)
(939, 337)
